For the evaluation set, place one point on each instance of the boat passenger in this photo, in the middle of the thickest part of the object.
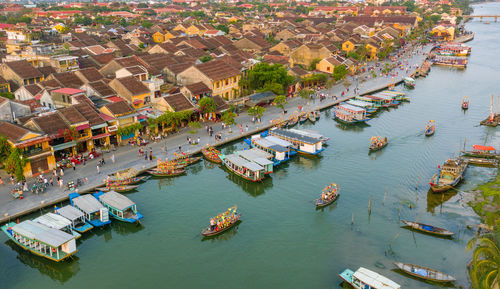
(212, 225)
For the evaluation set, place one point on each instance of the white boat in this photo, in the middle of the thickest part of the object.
(58, 222)
(364, 278)
(410, 82)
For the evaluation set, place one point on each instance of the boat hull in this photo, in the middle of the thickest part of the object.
(417, 271)
(428, 229)
(321, 204)
(127, 220)
(209, 233)
(84, 228)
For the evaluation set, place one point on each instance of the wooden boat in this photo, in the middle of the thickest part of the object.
(364, 278)
(120, 189)
(211, 154)
(430, 128)
(119, 206)
(76, 217)
(493, 119)
(125, 177)
(303, 117)
(186, 161)
(244, 168)
(482, 162)
(449, 175)
(230, 218)
(293, 120)
(95, 213)
(378, 143)
(58, 222)
(311, 117)
(425, 273)
(409, 82)
(166, 173)
(41, 240)
(479, 151)
(452, 61)
(350, 114)
(328, 196)
(316, 114)
(465, 103)
(428, 229)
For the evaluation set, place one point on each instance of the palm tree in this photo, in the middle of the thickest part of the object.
(485, 269)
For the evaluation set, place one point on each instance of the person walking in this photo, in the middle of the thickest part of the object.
(113, 158)
(151, 155)
(54, 173)
(198, 140)
(12, 179)
(61, 183)
(73, 164)
(61, 173)
(45, 182)
(145, 154)
(51, 181)
(1, 181)
(98, 169)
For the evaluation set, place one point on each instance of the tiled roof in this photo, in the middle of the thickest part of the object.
(51, 124)
(12, 132)
(33, 89)
(217, 70)
(67, 79)
(89, 113)
(198, 88)
(91, 74)
(47, 70)
(118, 108)
(102, 88)
(72, 115)
(178, 102)
(24, 69)
(134, 86)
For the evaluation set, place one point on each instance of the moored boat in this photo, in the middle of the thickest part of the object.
(424, 272)
(118, 188)
(482, 162)
(350, 114)
(465, 103)
(480, 151)
(119, 206)
(58, 222)
(76, 217)
(166, 173)
(303, 144)
(95, 213)
(409, 82)
(222, 222)
(280, 149)
(293, 120)
(328, 195)
(449, 175)
(303, 117)
(41, 240)
(311, 117)
(211, 154)
(243, 168)
(430, 128)
(428, 229)
(378, 143)
(364, 278)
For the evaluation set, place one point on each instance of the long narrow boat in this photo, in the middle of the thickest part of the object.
(328, 196)
(378, 143)
(222, 222)
(76, 217)
(119, 206)
(482, 162)
(211, 154)
(479, 151)
(301, 143)
(166, 173)
(409, 82)
(128, 181)
(449, 175)
(311, 117)
(430, 128)
(428, 229)
(293, 120)
(58, 222)
(364, 278)
(350, 114)
(465, 103)
(425, 273)
(118, 188)
(95, 213)
(302, 117)
(41, 240)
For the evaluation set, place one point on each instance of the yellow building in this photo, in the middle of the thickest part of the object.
(121, 115)
(158, 37)
(60, 27)
(371, 51)
(348, 46)
(443, 33)
(33, 146)
(196, 30)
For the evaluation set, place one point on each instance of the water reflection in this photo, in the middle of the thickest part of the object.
(309, 162)
(57, 271)
(254, 189)
(227, 235)
(434, 200)
(352, 127)
(123, 228)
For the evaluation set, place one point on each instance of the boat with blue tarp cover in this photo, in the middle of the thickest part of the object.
(119, 206)
(95, 212)
(302, 144)
(428, 229)
(58, 222)
(76, 217)
(367, 279)
(425, 273)
(41, 240)
(351, 114)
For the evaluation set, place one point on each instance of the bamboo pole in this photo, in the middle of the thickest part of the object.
(370, 206)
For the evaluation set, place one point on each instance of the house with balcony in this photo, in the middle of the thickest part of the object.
(119, 115)
(64, 97)
(98, 126)
(133, 90)
(33, 145)
(63, 63)
(221, 77)
(80, 128)
(21, 72)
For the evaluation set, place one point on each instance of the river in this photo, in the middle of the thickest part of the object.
(283, 242)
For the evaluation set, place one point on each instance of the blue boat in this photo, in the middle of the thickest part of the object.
(279, 148)
(95, 212)
(119, 206)
(76, 217)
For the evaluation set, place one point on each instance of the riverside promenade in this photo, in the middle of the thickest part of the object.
(128, 156)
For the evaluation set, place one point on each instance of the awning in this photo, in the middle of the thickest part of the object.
(101, 135)
(137, 102)
(130, 135)
(112, 128)
(81, 127)
(142, 117)
(483, 148)
(64, 146)
(99, 126)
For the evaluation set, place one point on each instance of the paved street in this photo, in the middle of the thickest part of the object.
(127, 156)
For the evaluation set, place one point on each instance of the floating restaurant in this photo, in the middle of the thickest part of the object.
(119, 206)
(259, 157)
(279, 148)
(350, 114)
(301, 143)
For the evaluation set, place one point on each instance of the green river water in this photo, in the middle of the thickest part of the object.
(283, 242)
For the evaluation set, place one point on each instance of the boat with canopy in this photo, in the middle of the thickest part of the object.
(211, 154)
(303, 144)
(243, 168)
(449, 175)
(58, 222)
(409, 82)
(350, 114)
(465, 103)
(95, 213)
(119, 206)
(480, 151)
(367, 279)
(76, 217)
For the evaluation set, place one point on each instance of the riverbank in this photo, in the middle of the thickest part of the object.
(126, 157)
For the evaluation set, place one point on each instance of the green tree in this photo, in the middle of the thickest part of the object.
(7, 94)
(315, 61)
(14, 164)
(146, 24)
(410, 5)
(207, 105)
(4, 148)
(339, 72)
(485, 270)
(228, 117)
(274, 76)
(435, 18)
(142, 5)
(222, 28)
(280, 101)
(205, 58)
(256, 111)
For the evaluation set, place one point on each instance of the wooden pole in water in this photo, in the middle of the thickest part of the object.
(352, 219)
(383, 201)
(370, 206)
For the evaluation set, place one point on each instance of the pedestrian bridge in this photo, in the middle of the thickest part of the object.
(467, 17)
